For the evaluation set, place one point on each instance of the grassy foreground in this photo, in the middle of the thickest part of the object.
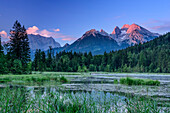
(19, 101)
(34, 79)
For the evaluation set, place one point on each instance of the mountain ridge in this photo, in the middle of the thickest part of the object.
(41, 42)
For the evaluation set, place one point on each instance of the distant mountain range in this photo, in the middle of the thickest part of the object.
(97, 41)
(41, 42)
(100, 41)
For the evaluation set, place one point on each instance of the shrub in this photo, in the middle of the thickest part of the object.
(63, 79)
(115, 81)
(132, 81)
(123, 81)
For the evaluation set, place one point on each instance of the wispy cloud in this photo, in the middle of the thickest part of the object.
(161, 27)
(158, 25)
(68, 39)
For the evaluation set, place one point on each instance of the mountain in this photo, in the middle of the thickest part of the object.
(41, 42)
(130, 35)
(94, 41)
(66, 45)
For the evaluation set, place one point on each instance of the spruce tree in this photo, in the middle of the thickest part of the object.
(19, 45)
(25, 49)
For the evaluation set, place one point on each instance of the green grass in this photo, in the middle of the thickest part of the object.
(33, 79)
(20, 101)
(133, 81)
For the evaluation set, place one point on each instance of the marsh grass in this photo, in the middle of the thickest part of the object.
(133, 81)
(20, 100)
(33, 79)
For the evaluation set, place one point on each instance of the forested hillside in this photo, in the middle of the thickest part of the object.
(153, 56)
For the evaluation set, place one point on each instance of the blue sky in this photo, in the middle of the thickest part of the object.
(67, 20)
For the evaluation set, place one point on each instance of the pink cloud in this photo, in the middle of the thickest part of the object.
(3, 34)
(32, 30)
(161, 27)
(69, 39)
(46, 33)
(56, 30)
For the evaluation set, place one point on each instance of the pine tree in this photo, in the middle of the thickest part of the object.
(25, 48)
(19, 45)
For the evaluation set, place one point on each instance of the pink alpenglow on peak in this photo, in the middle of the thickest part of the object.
(88, 33)
(116, 31)
(125, 26)
(91, 31)
(133, 27)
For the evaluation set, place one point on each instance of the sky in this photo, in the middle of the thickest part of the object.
(68, 20)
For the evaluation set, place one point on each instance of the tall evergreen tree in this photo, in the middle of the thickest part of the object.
(19, 45)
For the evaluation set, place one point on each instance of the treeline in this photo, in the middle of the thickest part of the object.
(153, 56)
(17, 58)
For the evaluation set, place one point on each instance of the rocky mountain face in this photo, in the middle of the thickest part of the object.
(94, 41)
(41, 42)
(132, 34)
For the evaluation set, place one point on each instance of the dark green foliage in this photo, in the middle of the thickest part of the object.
(17, 67)
(3, 60)
(115, 81)
(63, 79)
(132, 81)
(18, 52)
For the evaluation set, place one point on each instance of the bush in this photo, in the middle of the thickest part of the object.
(122, 81)
(115, 81)
(132, 81)
(63, 79)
